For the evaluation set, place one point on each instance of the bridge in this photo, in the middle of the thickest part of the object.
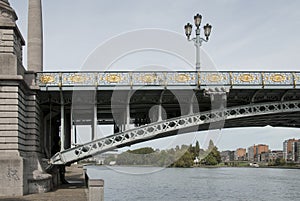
(188, 98)
(39, 110)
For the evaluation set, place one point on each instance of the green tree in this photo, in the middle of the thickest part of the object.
(210, 160)
(211, 144)
(213, 155)
(279, 162)
(145, 150)
(197, 149)
(186, 160)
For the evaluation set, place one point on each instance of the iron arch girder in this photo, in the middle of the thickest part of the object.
(170, 125)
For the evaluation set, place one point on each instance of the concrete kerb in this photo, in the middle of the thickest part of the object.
(95, 187)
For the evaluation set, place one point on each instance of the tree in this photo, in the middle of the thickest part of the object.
(213, 155)
(279, 161)
(197, 149)
(186, 160)
(211, 145)
(210, 160)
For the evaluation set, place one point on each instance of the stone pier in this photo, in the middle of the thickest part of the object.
(21, 148)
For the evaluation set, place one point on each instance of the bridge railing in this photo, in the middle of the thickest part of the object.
(169, 79)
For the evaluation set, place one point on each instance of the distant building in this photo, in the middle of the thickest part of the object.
(291, 150)
(227, 156)
(278, 154)
(240, 154)
(251, 153)
(255, 152)
(298, 152)
(271, 156)
(100, 158)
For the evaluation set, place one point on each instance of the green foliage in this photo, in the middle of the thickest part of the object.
(213, 155)
(279, 162)
(197, 149)
(179, 157)
(145, 150)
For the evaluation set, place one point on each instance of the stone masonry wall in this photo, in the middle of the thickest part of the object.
(20, 150)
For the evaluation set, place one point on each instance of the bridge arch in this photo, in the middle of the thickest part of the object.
(173, 126)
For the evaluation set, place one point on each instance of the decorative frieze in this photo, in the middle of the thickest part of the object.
(203, 79)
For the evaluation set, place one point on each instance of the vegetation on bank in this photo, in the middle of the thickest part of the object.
(183, 156)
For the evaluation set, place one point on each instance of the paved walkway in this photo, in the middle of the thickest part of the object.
(75, 191)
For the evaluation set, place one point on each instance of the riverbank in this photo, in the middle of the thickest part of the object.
(244, 165)
(74, 190)
(248, 166)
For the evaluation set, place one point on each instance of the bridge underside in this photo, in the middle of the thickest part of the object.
(215, 119)
(127, 110)
(111, 105)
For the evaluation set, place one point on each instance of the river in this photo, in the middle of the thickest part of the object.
(151, 184)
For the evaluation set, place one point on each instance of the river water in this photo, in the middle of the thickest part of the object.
(198, 183)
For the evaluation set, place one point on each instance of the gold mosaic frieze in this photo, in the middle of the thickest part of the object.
(246, 77)
(278, 78)
(113, 78)
(47, 79)
(214, 78)
(76, 79)
(148, 78)
(182, 78)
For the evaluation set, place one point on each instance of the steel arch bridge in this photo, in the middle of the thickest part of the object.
(229, 117)
(251, 98)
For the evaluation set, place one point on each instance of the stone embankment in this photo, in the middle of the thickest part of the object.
(75, 190)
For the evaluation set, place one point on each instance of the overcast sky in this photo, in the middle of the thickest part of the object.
(246, 35)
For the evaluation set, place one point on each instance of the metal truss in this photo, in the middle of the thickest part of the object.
(148, 132)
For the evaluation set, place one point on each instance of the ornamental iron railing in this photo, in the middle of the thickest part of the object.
(168, 79)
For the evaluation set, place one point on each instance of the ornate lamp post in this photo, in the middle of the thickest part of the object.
(197, 40)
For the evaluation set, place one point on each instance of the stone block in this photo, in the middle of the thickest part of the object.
(10, 147)
(38, 180)
(8, 89)
(9, 114)
(8, 101)
(8, 120)
(14, 127)
(9, 108)
(11, 176)
(7, 43)
(11, 134)
(6, 37)
(7, 31)
(9, 140)
(96, 190)
(8, 62)
(9, 95)
(5, 49)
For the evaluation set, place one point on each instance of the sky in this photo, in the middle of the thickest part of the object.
(246, 35)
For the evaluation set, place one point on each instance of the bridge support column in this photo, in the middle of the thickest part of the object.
(192, 102)
(127, 112)
(160, 107)
(72, 128)
(94, 122)
(218, 98)
(62, 123)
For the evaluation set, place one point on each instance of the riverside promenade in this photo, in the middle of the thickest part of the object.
(75, 190)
